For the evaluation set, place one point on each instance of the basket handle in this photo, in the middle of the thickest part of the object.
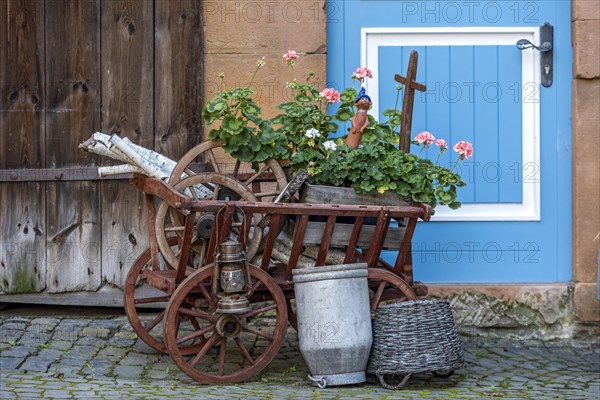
(443, 374)
(384, 384)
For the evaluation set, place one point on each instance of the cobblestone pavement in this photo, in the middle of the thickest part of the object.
(83, 356)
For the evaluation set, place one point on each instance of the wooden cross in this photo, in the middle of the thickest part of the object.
(410, 85)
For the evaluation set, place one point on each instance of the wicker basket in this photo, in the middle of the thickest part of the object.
(414, 336)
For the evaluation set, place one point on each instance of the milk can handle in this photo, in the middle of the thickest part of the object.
(321, 382)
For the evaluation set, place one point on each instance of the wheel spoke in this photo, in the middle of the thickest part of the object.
(245, 352)
(259, 311)
(267, 194)
(213, 159)
(195, 313)
(207, 345)
(195, 334)
(257, 332)
(256, 285)
(147, 300)
(155, 321)
(377, 296)
(256, 175)
(188, 172)
(212, 304)
(199, 247)
(194, 323)
(222, 350)
(236, 168)
(216, 190)
(173, 229)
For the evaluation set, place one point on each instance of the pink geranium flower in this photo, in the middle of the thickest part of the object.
(291, 56)
(464, 149)
(441, 143)
(332, 95)
(425, 137)
(361, 73)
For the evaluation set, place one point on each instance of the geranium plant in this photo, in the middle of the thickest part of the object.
(307, 135)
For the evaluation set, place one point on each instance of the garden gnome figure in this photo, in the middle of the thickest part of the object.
(360, 120)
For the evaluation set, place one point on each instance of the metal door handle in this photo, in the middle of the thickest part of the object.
(546, 49)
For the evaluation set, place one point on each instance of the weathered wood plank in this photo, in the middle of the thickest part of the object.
(179, 76)
(22, 205)
(106, 296)
(73, 112)
(342, 232)
(321, 194)
(127, 93)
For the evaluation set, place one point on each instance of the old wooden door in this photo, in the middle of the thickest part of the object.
(69, 68)
(515, 223)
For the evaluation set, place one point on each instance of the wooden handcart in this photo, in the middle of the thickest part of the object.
(176, 275)
(214, 332)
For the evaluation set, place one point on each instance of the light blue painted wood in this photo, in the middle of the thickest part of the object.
(485, 136)
(478, 251)
(508, 171)
(461, 100)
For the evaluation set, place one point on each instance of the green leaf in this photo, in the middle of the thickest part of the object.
(422, 198)
(214, 134)
(343, 114)
(250, 109)
(244, 154)
(395, 121)
(331, 127)
(217, 104)
(390, 112)
(232, 124)
(254, 143)
(303, 98)
(455, 205)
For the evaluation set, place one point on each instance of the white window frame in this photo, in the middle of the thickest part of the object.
(529, 208)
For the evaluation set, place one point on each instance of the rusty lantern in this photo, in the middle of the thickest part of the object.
(231, 278)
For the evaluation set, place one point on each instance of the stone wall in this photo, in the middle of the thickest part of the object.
(527, 311)
(238, 33)
(586, 156)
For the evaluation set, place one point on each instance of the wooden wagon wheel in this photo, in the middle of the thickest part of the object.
(238, 346)
(212, 152)
(137, 294)
(169, 222)
(385, 287)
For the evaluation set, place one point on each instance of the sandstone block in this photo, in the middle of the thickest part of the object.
(586, 49)
(586, 179)
(586, 305)
(270, 83)
(250, 26)
(585, 9)
(542, 311)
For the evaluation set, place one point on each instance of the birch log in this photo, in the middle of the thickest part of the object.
(139, 159)
(154, 171)
(119, 169)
